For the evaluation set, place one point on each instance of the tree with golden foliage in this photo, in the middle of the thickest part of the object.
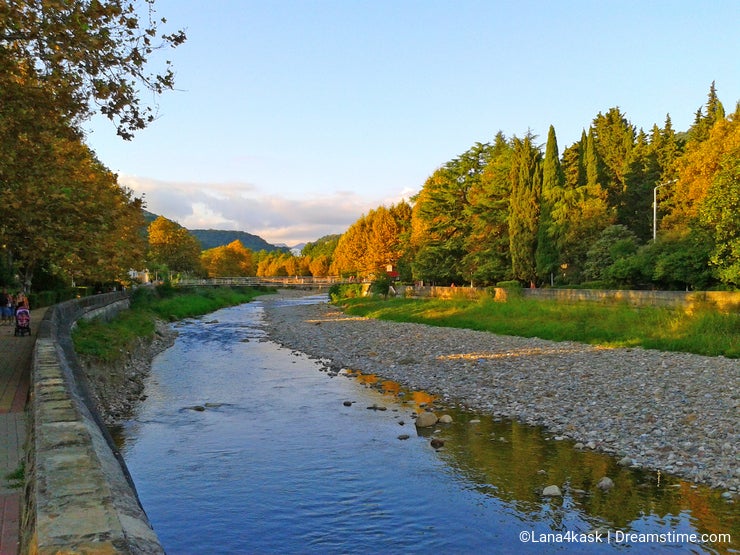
(232, 260)
(173, 247)
(697, 170)
(372, 243)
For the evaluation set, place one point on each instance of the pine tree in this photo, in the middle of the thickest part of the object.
(613, 137)
(703, 124)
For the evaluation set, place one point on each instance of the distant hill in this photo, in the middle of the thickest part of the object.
(149, 217)
(211, 238)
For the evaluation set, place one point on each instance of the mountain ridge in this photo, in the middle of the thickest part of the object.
(212, 238)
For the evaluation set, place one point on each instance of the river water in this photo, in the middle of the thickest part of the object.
(245, 447)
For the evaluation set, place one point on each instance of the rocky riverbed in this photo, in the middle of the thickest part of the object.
(674, 412)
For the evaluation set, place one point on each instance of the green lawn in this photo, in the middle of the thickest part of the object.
(705, 332)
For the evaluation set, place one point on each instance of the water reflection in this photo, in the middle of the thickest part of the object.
(515, 462)
(246, 447)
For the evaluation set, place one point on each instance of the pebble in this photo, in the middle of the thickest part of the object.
(658, 410)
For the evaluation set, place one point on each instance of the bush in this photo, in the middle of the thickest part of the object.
(511, 284)
(380, 286)
(340, 291)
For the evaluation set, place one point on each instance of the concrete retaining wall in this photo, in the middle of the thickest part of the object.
(79, 495)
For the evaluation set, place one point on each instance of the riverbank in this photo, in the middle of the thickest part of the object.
(116, 355)
(672, 412)
(117, 387)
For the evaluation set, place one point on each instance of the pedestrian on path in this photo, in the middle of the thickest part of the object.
(6, 307)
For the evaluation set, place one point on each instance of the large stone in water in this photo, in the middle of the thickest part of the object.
(426, 419)
(552, 491)
(605, 484)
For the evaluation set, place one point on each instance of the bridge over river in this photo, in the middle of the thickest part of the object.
(296, 282)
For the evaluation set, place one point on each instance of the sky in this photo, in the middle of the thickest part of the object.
(292, 118)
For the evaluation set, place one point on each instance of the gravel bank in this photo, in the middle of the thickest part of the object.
(676, 412)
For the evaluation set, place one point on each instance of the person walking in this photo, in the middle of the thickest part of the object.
(6, 307)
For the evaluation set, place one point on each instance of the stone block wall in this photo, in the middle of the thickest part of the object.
(724, 301)
(79, 497)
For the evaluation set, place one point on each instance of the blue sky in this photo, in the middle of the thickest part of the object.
(293, 118)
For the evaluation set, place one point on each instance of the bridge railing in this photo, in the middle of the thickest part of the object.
(295, 281)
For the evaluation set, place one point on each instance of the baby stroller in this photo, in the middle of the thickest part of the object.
(22, 321)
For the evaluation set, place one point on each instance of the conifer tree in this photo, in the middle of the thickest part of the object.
(526, 188)
(667, 149)
(613, 139)
(442, 212)
(487, 259)
(642, 175)
(553, 180)
(703, 123)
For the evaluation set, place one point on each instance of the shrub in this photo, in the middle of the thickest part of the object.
(380, 286)
(340, 291)
(511, 284)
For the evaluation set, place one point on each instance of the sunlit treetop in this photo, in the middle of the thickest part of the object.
(88, 55)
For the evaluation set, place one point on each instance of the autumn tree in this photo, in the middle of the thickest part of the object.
(57, 196)
(87, 53)
(58, 60)
(318, 254)
(319, 266)
(232, 260)
(349, 256)
(696, 171)
(172, 246)
(719, 211)
(372, 243)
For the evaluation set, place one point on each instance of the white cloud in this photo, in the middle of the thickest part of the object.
(241, 206)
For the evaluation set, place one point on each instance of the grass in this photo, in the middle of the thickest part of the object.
(106, 341)
(15, 478)
(705, 332)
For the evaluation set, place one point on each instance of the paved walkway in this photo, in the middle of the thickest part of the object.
(15, 365)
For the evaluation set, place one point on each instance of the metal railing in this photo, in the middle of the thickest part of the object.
(253, 281)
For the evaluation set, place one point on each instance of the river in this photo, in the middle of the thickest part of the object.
(245, 447)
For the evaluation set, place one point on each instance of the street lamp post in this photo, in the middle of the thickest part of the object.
(655, 206)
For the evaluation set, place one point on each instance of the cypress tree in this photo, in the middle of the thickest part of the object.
(526, 188)
(553, 180)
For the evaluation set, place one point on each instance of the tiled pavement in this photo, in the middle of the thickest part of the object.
(15, 364)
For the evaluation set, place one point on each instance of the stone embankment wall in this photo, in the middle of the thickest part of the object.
(690, 300)
(79, 495)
